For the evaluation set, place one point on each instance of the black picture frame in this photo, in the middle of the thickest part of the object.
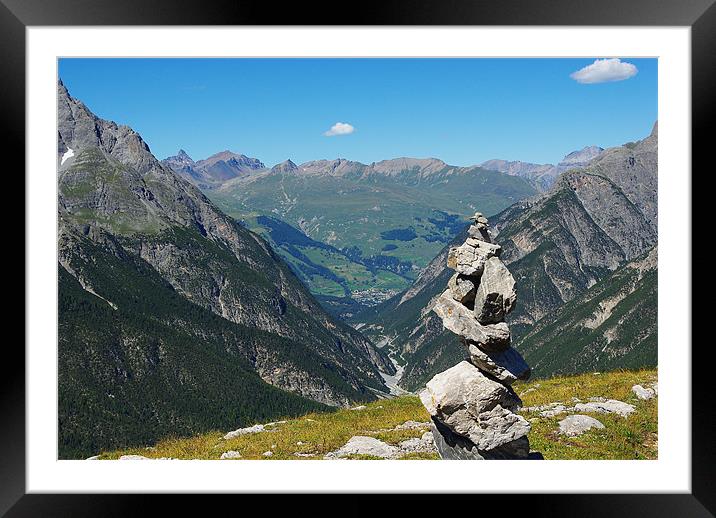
(16, 15)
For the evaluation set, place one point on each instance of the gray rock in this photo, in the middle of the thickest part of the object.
(461, 321)
(495, 296)
(574, 425)
(451, 446)
(556, 410)
(243, 431)
(480, 231)
(474, 406)
(133, 457)
(362, 445)
(462, 288)
(506, 366)
(422, 444)
(268, 453)
(469, 258)
(479, 219)
(231, 454)
(643, 393)
(608, 406)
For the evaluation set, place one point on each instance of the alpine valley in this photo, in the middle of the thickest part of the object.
(214, 294)
(357, 234)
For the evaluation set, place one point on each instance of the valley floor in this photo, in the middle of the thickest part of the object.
(395, 421)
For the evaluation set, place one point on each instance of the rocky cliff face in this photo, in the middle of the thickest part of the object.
(557, 246)
(115, 195)
(612, 325)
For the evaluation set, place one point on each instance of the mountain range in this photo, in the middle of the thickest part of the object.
(174, 318)
(409, 209)
(559, 246)
(349, 261)
(214, 170)
(543, 176)
(204, 295)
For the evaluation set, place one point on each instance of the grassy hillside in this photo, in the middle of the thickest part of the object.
(368, 236)
(344, 281)
(317, 433)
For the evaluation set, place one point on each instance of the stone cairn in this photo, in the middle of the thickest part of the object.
(472, 404)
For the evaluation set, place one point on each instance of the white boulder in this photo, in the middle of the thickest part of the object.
(574, 425)
(643, 393)
(363, 445)
(231, 454)
(243, 431)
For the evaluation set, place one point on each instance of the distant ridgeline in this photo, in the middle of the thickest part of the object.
(355, 234)
(173, 318)
(383, 221)
(584, 258)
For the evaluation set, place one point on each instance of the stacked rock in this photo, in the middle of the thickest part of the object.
(472, 404)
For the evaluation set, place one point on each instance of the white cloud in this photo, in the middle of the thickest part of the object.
(340, 128)
(604, 70)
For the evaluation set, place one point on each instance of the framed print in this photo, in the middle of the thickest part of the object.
(290, 252)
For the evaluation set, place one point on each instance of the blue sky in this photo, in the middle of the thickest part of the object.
(463, 111)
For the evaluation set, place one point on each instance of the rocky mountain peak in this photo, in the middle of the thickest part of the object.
(79, 129)
(221, 156)
(181, 158)
(650, 143)
(397, 165)
(244, 162)
(287, 166)
(214, 170)
(581, 157)
(336, 167)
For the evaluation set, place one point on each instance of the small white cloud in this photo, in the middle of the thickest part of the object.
(340, 128)
(604, 70)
